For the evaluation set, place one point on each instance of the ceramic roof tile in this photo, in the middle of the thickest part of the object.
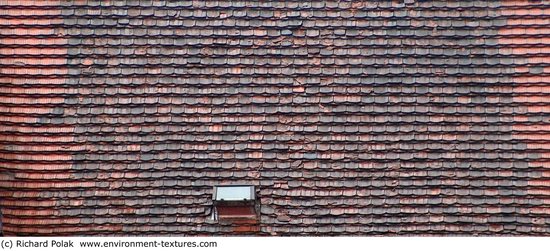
(352, 118)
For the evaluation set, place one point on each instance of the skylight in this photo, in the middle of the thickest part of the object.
(233, 193)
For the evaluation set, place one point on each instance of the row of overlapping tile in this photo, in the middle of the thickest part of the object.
(351, 118)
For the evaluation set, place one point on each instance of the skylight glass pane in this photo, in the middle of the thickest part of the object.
(234, 193)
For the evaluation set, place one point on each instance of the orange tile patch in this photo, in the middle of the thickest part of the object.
(48, 148)
(530, 89)
(542, 183)
(40, 41)
(42, 221)
(529, 136)
(526, 50)
(44, 129)
(29, 21)
(31, 12)
(19, 93)
(35, 81)
(535, 191)
(540, 210)
(527, 128)
(30, 2)
(42, 176)
(524, 21)
(33, 51)
(30, 110)
(36, 157)
(545, 164)
(33, 71)
(36, 139)
(33, 100)
(538, 108)
(531, 82)
(48, 185)
(28, 212)
(16, 202)
(522, 31)
(523, 41)
(531, 99)
(511, 3)
(32, 59)
(18, 119)
(29, 62)
(26, 230)
(40, 166)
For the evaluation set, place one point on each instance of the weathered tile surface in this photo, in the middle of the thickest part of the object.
(351, 117)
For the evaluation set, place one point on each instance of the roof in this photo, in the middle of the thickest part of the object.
(350, 117)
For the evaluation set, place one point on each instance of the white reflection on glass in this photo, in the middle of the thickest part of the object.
(233, 193)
